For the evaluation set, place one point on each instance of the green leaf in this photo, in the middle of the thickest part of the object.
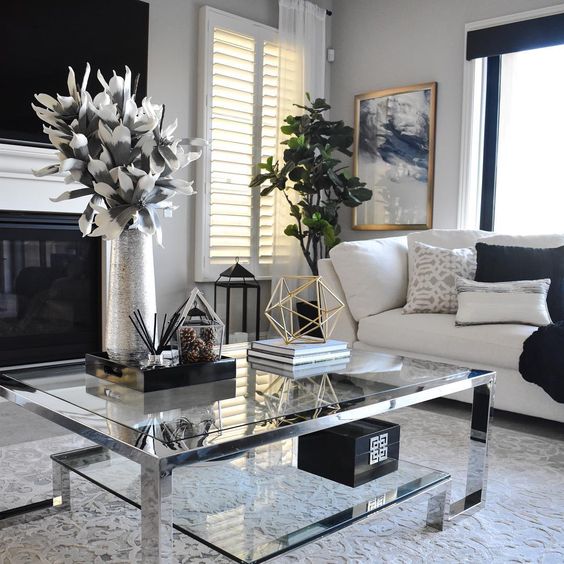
(293, 143)
(329, 236)
(296, 174)
(321, 105)
(362, 194)
(332, 243)
(334, 178)
(258, 180)
(295, 211)
(287, 168)
(293, 231)
(266, 191)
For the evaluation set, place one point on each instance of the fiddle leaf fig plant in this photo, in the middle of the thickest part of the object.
(312, 179)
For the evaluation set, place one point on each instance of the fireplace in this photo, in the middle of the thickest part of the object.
(50, 289)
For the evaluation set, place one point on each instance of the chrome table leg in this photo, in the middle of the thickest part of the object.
(40, 509)
(438, 506)
(61, 486)
(476, 478)
(156, 514)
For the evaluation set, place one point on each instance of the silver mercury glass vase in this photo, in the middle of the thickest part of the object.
(131, 287)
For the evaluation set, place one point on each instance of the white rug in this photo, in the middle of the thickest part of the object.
(522, 522)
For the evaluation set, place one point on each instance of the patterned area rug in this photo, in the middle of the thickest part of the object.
(522, 522)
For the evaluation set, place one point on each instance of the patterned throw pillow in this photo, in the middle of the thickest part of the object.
(432, 284)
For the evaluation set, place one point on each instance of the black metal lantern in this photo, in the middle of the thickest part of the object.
(237, 276)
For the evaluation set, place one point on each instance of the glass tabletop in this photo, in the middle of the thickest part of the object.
(195, 414)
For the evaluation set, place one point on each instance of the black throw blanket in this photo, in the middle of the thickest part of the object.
(542, 360)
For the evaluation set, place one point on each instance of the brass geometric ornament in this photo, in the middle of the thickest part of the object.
(297, 326)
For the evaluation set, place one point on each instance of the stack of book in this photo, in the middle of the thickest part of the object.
(295, 357)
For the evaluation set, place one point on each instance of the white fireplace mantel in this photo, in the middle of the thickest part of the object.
(20, 190)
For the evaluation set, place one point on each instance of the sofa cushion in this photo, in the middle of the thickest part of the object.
(432, 287)
(549, 241)
(500, 263)
(373, 274)
(435, 334)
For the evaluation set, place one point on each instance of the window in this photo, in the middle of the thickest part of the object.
(529, 189)
(238, 99)
(513, 142)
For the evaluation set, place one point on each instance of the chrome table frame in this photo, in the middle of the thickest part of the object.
(158, 460)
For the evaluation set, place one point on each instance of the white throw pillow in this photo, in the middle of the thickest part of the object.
(432, 286)
(522, 302)
(373, 274)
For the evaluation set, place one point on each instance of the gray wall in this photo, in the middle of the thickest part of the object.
(387, 43)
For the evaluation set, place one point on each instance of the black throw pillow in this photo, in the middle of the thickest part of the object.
(497, 263)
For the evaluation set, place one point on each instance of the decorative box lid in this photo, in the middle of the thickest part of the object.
(361, 433)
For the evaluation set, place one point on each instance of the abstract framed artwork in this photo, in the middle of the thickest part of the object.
(394, 153)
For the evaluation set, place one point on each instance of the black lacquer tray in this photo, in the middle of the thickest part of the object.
(153, 379)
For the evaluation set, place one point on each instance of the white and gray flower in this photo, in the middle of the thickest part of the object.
(117, 151)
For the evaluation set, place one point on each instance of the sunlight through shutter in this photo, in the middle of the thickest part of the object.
(268, 145)
(232, 124)
(239, 119)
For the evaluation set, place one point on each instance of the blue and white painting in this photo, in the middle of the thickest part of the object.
(393, 157)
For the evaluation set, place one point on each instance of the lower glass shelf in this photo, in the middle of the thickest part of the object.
(259, 505)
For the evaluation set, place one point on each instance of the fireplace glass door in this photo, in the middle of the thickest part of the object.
(50, 289)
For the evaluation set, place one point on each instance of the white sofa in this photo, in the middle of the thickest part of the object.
(371, 277)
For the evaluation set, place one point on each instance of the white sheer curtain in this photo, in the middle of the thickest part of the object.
(301, 36)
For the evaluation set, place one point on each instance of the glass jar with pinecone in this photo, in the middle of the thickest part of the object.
(199, 342)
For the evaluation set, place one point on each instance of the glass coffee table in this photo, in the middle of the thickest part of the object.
(218, 461)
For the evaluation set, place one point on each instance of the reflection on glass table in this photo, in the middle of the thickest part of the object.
(259, 505)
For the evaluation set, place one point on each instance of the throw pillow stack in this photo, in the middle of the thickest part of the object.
(491, 283)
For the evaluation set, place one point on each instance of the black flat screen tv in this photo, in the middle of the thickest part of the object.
(40, 39)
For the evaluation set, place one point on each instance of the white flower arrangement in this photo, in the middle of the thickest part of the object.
(118, 151)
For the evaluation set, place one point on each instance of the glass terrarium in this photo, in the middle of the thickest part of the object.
(200, 337)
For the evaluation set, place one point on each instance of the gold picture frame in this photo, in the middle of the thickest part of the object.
(394, 153)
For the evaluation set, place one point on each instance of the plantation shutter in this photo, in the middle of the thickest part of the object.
(240, 113)
(269, 126)
(232, 121)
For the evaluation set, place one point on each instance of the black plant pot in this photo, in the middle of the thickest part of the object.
(309, 311)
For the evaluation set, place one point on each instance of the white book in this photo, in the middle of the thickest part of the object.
(278, 346)
(294, 361)
(300, 371)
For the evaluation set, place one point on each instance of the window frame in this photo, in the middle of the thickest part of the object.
(492, 99)
(211, 18)
(475, 208)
